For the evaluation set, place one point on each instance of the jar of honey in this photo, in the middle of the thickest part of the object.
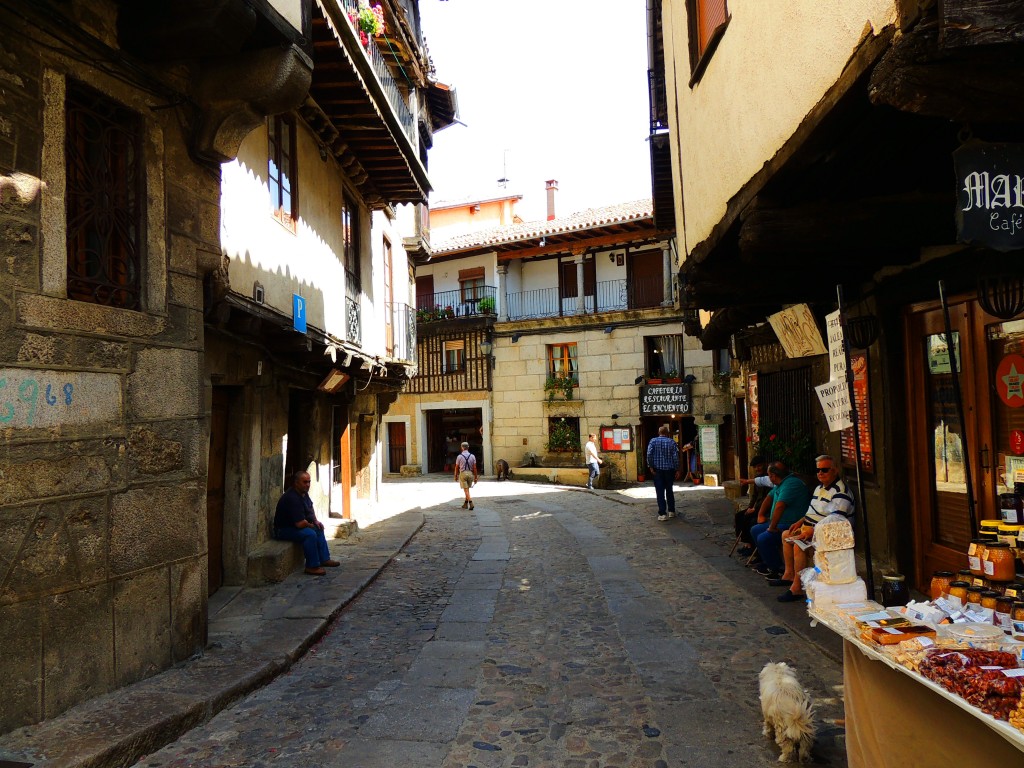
(940, 584)
(1008, 532)
(989, 527)
(1017, 611)
(1004, 608)
(1014, 591)
(975, 554)
(998, 562)
(974, 595)
(958, 589)
(989, 598)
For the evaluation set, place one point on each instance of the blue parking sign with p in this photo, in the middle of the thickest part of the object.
(298, 313)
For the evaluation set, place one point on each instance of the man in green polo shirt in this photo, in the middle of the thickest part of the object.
(788, 501)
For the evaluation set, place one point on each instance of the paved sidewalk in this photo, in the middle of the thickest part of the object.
(255, 634)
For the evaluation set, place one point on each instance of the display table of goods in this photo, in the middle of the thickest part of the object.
(928, 684)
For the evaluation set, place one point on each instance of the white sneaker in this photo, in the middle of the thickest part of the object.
(662, 518)
(671, 514)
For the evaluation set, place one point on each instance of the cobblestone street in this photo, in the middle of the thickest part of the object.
(549, 627)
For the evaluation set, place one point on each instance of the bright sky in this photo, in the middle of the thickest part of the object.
(549, 89)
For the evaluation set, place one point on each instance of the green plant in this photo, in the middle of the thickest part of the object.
(722, 379)
(486, 305)
(794, 447)
(562, 383)
(563, 437)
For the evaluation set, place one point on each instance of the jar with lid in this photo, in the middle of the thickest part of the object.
(1004, 608)
(1017, 611)
(989, 526)
(975, 554)
(939, 586)
(974, 595)
(894, 590)
(958, 589)
(1011, 508)
(1008, 532)
(989, 598)
(999, 562)
(1015, 590)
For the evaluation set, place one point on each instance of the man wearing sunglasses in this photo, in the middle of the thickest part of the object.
(830, 497)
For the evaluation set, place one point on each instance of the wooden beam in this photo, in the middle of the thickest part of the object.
(974, 84)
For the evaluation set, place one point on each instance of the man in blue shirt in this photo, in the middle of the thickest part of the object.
(787, 502)
(295, 520)
(663, 461)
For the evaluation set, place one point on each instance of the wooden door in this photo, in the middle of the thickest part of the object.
(645, 279)
(396, 446)
(941, 446)
(215, 490)
(424, 291)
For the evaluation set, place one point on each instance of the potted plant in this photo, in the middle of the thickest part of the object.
(672, 377)
(449, 311)
(486, 305)
(367, 21)
(564, 384)
(654, 378)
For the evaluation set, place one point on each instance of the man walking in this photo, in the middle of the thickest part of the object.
(593, 460)
(295, 520)
(465, 473)
(663, 461)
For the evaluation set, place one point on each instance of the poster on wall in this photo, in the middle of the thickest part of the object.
(859, 363)
(753, 416)
(709, 449)
(616, 438)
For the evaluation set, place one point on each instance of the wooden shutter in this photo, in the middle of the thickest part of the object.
(711, 14)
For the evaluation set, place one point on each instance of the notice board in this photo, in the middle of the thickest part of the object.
(616, 438)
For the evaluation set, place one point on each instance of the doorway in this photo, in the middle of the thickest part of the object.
(215, 474)
(447, 428)
(942, 449)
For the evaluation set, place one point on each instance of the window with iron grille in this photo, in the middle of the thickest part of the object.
(282, 170)
(707, 22)
(104, 198)
(562, 361)
(350, 244)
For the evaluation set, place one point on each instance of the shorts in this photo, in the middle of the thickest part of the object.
(465, 479)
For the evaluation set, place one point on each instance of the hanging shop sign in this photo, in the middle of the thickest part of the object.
(990, 194)
(658, 399)
(797, 331)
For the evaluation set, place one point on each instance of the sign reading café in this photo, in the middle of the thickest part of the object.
(990, 194)
(659, 399)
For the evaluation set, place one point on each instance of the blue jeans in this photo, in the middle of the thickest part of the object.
(663, 479)
(313, 541)
(595, 470)
(769, 546)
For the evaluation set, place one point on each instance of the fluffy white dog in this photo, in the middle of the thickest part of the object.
(788, 712)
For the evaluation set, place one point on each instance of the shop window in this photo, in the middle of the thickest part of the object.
(350, 244)
(471, 284)
(562, 361)
(104, 199)
(708, 20)
(454, 356)
(282, 169)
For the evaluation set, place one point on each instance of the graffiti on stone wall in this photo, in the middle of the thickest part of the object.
(57, 398)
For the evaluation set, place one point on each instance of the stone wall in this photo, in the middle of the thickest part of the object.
(103, 439)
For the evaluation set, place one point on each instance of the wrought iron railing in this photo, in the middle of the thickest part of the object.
(464, 302)
(395, 96)
(609, 296)
(353, 322)
(401, 331)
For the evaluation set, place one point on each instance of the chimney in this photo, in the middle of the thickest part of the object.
(551, 187)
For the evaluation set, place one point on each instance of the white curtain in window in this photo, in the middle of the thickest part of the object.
(573, 362)
(671, 354)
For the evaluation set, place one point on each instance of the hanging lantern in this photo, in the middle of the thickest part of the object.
(1002, 296)
(862, 331)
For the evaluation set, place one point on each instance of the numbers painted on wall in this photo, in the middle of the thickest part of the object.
(27, 398)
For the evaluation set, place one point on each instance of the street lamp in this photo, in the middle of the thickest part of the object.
(487, 347)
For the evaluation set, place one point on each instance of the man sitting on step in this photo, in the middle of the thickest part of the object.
(295, 520)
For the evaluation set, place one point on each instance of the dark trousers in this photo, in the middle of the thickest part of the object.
(742, 523)
(313, 541)
(663, 479)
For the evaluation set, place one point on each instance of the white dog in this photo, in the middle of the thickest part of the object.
(788, 712)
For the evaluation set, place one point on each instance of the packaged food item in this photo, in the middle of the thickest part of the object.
(975, 554)
(833, 533)
(837, 566)
(989, 598)
(894, 635)
(977, 676)
(984, 636)
(974, 595)
(822, 594)
(1004, 608)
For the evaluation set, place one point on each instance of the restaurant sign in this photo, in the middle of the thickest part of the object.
(657, 399)
(990, 194)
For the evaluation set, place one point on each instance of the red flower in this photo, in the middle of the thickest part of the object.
(750, 439)
(771, 437)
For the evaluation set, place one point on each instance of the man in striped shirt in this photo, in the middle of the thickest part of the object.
(832, 496)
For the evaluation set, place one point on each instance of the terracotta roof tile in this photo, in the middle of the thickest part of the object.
(510, 233)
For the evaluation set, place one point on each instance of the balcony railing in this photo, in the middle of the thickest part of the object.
(610, 295)
(401, 331)
(446, 305)
(394, 94)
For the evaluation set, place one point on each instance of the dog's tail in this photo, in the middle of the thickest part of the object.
(799, 730)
